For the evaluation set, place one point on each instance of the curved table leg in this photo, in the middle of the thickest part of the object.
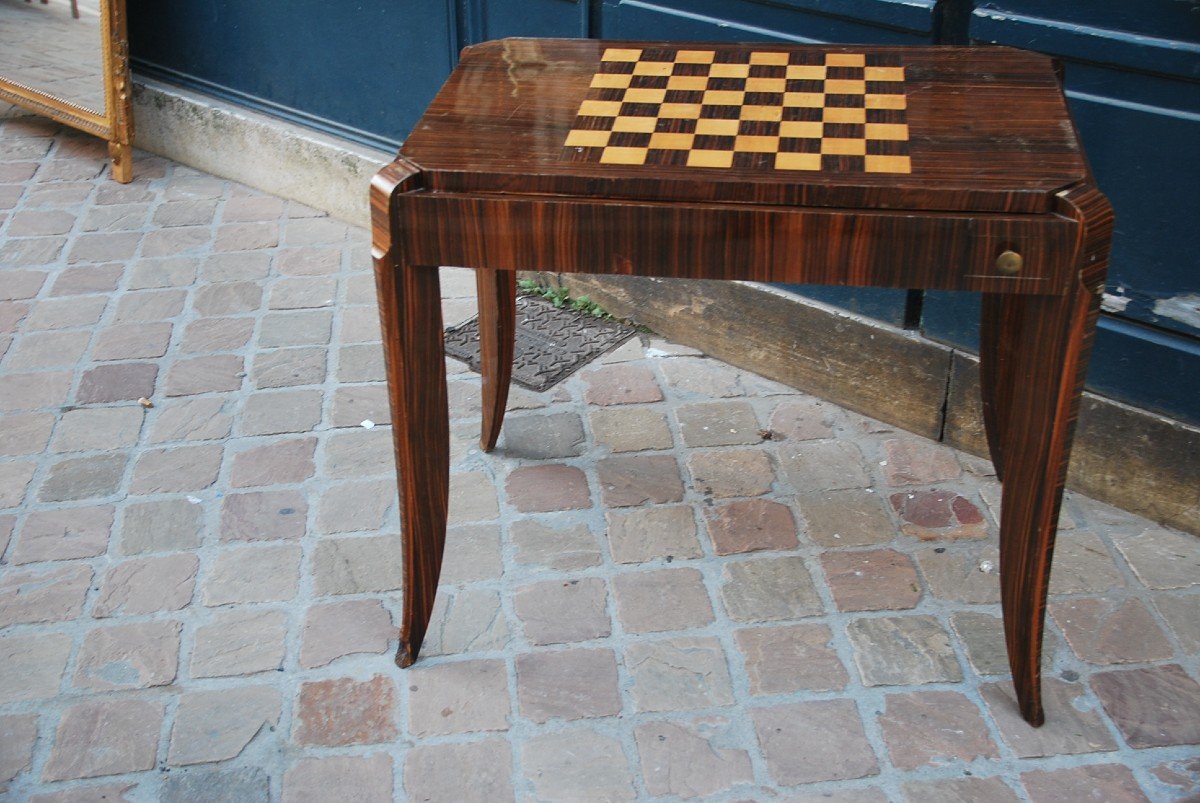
(497, 292)
(1045, 340)
(411, 317)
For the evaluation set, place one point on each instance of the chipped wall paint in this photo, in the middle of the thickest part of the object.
(1183, 308)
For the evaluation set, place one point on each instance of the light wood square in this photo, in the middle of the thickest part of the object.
(841, 114)
(600, 108)
(710, 159)
(615, 155)
(801, 129)
(748, 143)
(729, 70)
(810, 100)
(797, 161)
(621, 54)
(637, 125)
(653, 68)
(775, 59)
(609, 80)
(645, 95)
(680, 111)
(845, 59)
(587, 139)
(838, 86)
(724, 97)
(720, 128)
(884, 73)
(771, 114)
(695, 57)
(672, 142)
(892, 131)
(765, 84)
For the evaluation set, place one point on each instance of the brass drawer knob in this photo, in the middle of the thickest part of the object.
(1009, 263)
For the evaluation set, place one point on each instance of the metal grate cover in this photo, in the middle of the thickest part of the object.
(552, 342)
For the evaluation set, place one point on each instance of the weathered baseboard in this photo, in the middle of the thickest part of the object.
(263, 152)
(1136, 460)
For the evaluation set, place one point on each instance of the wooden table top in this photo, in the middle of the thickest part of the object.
(924, 128)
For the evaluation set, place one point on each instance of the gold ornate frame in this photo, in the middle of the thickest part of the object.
(116, 123)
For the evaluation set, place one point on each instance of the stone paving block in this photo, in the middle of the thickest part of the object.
(814, 741)
(577, 765)
(104, 247)
(1152, 706)
(361, 362)
(35, 223)
(106, 737)
(1161, 558)
(251, 208)
(678, 673)
(33, 391)
(542, 489)
(192, 419)
(982, 638)
(32, 666)
(1111, 631)
(63, 534)
(846, 518)
(472, 497)
(360, 453)
(150, 274)
(648, 534)
(176, 469)
(14, 479)
(632, 429)
(316, 230)
(657, 601)
(1183, 617)
(246, 236)
(99, 429)
(825, 465)
(903, 650)
(303, 328)
(718, 424)
(52, 349)
(87, 279)
(163, 525)
(343, 711)
(937, 514)
(253, 574)
(567, 684)
(149, 305)
(263, 516)
(631, 481)
(969, 575)
(359, 778)
(916, 461)
(477, 772)
(131, 341)
(780, 660)
(274, 413)
(227, 298)
(281, 368)
(687, 759)
(697, 375)
(31, 250)
(1083, 564)
(1179, 778)
(461, 697)
(79, 478)
(556, 611)
(303, 293)
(204, 375)
(274, 463)
(114, 792)
(43, 595)
(337, 629)
(18, 732)
(239, 642)
(540, 437)
(876, 580)
(1113, 783)
(768, 589)
(133, 656)
(1072, 722)
(956, 790)
(933, 728)
(216, 334)
(562, 549)
(65, 313)
(472, 554)
(356, 565)
(466, 620)
(620, 384)
(215, 785)
(185, 213)
(308, 261)
(7, 523)
(353, 404)
(353, 506)
(147, 585)
(219, 725)
(232, 267)
(750, 526)
(802, 419)
(25, 433)
(731, 473)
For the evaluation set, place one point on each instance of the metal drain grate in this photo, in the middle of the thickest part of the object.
(552, 342)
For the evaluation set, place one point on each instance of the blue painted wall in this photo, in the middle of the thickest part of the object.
(366, 70)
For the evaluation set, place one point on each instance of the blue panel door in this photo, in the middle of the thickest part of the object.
(1134, 88)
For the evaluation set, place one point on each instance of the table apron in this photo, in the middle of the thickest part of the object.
(940, 251)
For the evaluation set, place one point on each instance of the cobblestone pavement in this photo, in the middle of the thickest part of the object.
(644, 597)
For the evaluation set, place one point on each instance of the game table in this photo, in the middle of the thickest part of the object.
(939, 168)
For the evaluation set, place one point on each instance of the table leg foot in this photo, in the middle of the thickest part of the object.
(406, 656)
(497, 292)
(1046, 340)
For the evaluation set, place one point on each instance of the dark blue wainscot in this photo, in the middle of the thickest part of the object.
(1133, 81)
